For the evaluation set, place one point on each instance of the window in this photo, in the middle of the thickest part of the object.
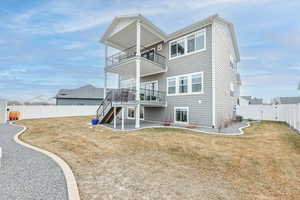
(197, 83)
(130, 112)
(129, 83)
(177, 48)
(171, 86)
(181, 114)
(180, 47)
(231, 89)
(183, 84)
(173, 49)
(200, 38)
(142, 113)
(188, 44)
(191, 43)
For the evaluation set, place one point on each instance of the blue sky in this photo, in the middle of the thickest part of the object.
(48, 45)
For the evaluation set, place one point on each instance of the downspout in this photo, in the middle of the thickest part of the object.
(213, 76)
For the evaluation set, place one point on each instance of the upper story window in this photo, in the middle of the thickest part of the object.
(185, 84)
(192, 43)
(177, 48)
(197, 83)
(171, 86)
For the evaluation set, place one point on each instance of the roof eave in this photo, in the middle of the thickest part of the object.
(104, 39)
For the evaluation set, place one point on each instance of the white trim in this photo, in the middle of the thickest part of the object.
(130, 107)
(155, 81)
(183, 108)
(134, 109)
(213, 75)
(184, 38)
(189, 89)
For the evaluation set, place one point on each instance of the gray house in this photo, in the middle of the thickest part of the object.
(186, 77)
(86, 95)
(286, 100)
(249, 100)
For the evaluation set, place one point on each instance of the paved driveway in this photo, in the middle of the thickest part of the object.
(26, 174)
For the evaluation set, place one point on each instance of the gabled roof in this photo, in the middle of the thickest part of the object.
(166, 37)
(128, 20)
(288, 100)
(85, 92)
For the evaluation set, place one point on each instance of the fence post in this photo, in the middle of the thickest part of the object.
(295, 115)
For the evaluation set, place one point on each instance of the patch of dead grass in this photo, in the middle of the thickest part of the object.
(168, 163)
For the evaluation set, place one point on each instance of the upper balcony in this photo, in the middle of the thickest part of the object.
(131, 35)
(123, 62)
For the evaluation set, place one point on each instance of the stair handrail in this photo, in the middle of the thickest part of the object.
(103, 103)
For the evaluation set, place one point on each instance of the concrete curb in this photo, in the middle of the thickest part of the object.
(73, 193)
(195, 130)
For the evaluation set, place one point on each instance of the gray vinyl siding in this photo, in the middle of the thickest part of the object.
(200, 114)
(224, 74)
(78, 101)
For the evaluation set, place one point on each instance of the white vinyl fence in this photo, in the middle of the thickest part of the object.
(3, 113)
(289, 113)
(48, 111)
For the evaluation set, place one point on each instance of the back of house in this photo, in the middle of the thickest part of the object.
(186, 77)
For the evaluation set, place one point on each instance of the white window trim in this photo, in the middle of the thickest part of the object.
(155, 81)
(168, 86)
(189, 84)
(188, 113)
(132, 107)
(202, 31)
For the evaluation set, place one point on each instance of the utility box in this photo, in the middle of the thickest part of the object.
(3, 111)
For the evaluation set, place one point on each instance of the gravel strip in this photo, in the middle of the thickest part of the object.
(27, 174)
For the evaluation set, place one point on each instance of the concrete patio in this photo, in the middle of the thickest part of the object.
(233, 129)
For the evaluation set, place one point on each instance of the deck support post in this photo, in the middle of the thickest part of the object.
(115, 117)
(123, 117)
(105, 73)
(138, 73)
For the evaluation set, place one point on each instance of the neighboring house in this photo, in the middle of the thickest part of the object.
(286, 100)
(86, 95)
(249, 100)
(186, 77)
